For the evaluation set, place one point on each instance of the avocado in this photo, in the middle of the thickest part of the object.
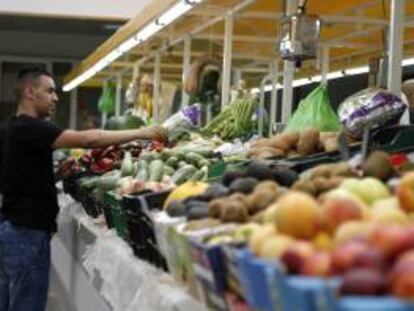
(215, 191)
(189, 205)
(231, 176)
(259, 170)
(284, 176)
(176, 209)
(198, 212)
(243, 185)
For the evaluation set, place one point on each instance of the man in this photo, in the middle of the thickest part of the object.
(28, 214)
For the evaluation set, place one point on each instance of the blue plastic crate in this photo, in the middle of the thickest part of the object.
(208, 264)
(356, 303)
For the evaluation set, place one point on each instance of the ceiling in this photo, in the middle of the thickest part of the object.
(354, 30)
(58, 25)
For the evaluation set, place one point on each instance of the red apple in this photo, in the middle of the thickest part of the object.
(370, 258)
(339, 207)
(391, 240)
(405, 192)
(343, 257)
(296, 254)
(362, 281)
(318, 264)
(402, 276)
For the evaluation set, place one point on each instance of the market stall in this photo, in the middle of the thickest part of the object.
(316, 215)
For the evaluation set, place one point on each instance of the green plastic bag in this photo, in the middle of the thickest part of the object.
(314, 111)
(106, 103)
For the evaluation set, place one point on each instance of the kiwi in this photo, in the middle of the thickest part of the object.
(378, 165)
(234, 211)
(215, 207)
(306, 186)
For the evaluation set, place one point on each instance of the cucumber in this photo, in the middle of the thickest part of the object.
(156, 170)
(168, 170)
(172, 162)
(198, 176)
(203, 162)
(166, 154)
(181, 164)
(143, 173)
(183, 174)
(193, 158)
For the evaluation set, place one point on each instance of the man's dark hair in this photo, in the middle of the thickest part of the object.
(30, 74)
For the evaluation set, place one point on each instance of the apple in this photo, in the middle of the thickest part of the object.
(322, 241)
(295, 255)
(261, 235)
(343, 257)
(402, 276)
(390, 240)
(363, 281)
(368, 189)
(298, 215)
(243, 232)
(340, 207)
(352, 230)
(318, 264)
(405, 192)
(370, 258)
(274, 247)
(387, 215)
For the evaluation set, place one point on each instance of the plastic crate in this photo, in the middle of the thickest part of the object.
(231, 268)
(118, 215)
(211, 298)
(141, 227)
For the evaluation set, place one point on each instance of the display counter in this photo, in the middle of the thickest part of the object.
(94, 269)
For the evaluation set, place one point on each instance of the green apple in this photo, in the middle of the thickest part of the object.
(243, 232)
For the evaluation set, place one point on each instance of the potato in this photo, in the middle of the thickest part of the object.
(324, 136)
(342, 169)
(267, 185)
(308, 141)
(285, 141)
(323, 184)
(330, 145)
(305, 185)
(263, 142)
(323, 170)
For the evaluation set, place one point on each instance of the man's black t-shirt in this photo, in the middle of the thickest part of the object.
(26, 172)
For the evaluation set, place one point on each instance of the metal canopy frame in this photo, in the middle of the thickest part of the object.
(248, 48)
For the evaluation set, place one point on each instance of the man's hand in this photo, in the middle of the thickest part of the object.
(154, 132)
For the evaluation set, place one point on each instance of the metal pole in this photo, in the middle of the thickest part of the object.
(325, 65)
(288, 73)
(73, 109)
(396, 46)
(157, 86)
(274, 72)
(104, 116)
(262, 104)
(118, 94)
(185, 98)
(227, 52)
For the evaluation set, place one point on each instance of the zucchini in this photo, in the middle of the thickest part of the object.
(143, 173)
(172, 162)
(183, 174)
(193, 158)
(150, 156)
(127, 166)
(203, 162)
(168, 170)
(166, 154)
(156, 170)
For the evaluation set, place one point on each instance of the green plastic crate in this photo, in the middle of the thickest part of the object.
(118, 215)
